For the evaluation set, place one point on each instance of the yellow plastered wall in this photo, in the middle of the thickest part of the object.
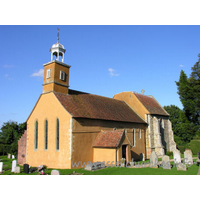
(48, 107)
(133, 102)
(107, 155)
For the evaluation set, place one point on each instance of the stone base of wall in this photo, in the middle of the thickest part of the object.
(21, 157)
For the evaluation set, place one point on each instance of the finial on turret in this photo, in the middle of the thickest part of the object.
(142, 91)
(58, 35)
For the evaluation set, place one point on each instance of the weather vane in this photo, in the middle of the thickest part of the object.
(58, 35)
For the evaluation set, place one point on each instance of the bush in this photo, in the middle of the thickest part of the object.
(195, 146)
(169, 153)
(181, 148)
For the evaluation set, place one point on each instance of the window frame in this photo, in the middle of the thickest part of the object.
(48, 75)
(36, 136)
(133, 137)
(57, 134)
(139, 134)
(62, 75)
(46, 135)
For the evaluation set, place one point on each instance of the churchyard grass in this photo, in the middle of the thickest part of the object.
(192, 170)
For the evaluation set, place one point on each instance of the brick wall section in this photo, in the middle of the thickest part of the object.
(22, 142)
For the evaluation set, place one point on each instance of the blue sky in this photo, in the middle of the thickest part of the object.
(104, 60)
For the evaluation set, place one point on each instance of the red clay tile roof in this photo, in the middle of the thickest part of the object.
(97, 107)
(151, 105)
(108, 138)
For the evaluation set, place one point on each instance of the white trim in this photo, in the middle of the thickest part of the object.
(48, 75)
(62, 75)
(134, 137)
(139, 133)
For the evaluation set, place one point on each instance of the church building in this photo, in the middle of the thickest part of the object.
(68, 126)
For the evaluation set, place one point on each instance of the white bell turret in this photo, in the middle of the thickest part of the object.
(57, 50)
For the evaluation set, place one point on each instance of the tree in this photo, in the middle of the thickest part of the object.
(10, 134)
(174, 112)
(189, 93)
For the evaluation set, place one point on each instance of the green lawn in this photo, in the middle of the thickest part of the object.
(193, 170)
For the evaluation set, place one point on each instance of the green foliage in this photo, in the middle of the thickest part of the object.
(4, 149)
(10, 133)
(181, 148)
(169, 153)
(189, 93)
(195, 146)
(174, 112)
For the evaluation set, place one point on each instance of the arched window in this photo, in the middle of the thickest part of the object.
(46, 135)
(36, 134)
(133, 137)
(57, 134)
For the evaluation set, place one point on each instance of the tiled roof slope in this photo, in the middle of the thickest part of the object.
(151, 105)
(108, 138)
(97, 107)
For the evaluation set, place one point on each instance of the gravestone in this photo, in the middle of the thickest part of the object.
(142, 158)
(13, 157)
(14, 164)
(188, 156)
(1, 167)
(181, 166)
(26, 168)
(199, 155)
(95, 166)
(166, 162)
(177, 156)
(55, 172)
(153, 160)
(9, 156)
(17, 170)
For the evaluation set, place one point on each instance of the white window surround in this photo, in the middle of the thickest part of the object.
(139, 134)
(48, 73)
(62, 75)
(133, 137)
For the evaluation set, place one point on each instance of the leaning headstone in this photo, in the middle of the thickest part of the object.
(26, 168)
(188, 156)
(17, 170)
(142, 157)
(13, 157)
(14, 164)
(166, 162)
(1, 167)
(55, 172)
(177, 156)
(153, 160)
(181, 166)
(9, 156)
